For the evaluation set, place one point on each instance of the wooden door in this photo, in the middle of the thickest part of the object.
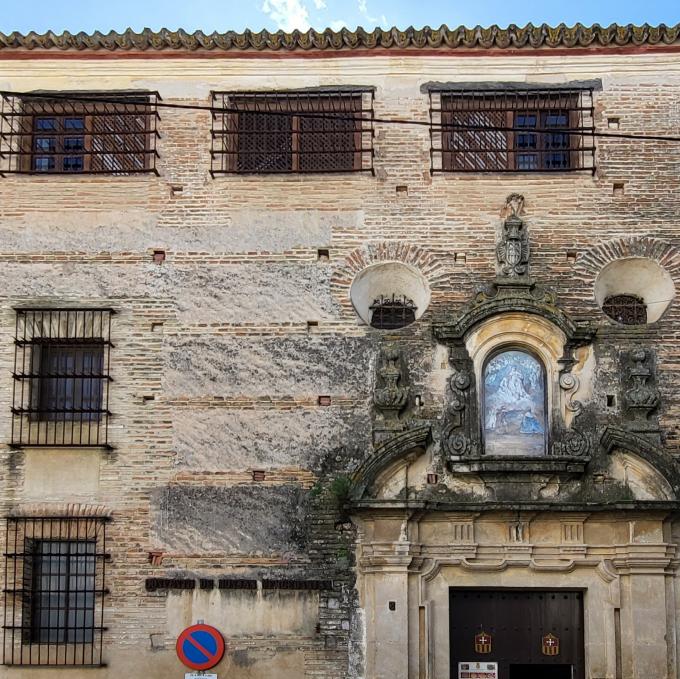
(518, 623)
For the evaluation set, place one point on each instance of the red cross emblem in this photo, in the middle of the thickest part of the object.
(483, 643)
(550, 645)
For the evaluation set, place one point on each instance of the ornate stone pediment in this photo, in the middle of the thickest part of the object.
(514, 311)
(506, 295)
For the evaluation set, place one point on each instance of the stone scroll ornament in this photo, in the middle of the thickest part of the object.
(571, 442)
(392, 391)
(460, 436)
(512, 250)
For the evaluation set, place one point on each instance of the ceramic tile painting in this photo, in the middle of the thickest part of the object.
(514, 405)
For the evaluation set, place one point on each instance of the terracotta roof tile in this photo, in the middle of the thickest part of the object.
(528, 37)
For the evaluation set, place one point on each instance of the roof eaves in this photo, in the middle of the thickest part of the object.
(493, 37)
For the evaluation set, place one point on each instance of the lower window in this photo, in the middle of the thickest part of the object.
(62, 591)
(54, 591)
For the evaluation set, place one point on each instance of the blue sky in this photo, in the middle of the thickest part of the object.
(221, 15)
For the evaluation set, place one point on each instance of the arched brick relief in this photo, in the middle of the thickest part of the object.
(372, 253)
(592, 261)
(61, 509)
(641, 268)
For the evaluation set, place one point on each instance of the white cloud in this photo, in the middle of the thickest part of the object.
(288, 14)
(370, 20)
(319, 4)
(338, 24)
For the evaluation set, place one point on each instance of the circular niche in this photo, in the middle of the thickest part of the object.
(387, 281)
(635, 277)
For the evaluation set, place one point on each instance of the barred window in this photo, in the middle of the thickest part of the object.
(79, 132)
(626, 309)
(390, 313)
(61, 377)
(55, 569)
(279, 132)
(512, 130)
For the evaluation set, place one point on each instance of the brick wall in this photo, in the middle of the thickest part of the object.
(216, 372)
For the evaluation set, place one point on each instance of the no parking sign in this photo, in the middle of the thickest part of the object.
(200, 647)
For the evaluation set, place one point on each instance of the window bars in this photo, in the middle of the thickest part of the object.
(79, 133)
(390, 313)
(283, 132)
(626, 309)
(522, 130)
(61, 377)
(55, 571)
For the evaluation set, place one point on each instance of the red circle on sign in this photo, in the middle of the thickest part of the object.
(200, 647)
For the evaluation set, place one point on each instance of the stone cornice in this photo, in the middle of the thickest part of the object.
(427, 39)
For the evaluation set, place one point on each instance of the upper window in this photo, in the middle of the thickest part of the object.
(512, 130)
(113, 133)
(61, 377)
(626, 309)
(280, 132)
(54, 590)
(390, 313)
(514, 404)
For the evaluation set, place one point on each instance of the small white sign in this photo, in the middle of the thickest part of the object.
(477, 670)
(199, 675)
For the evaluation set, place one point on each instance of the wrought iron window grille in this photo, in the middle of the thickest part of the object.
(292, 132)
(390, 313)
(523, 130)
(79, 133)
(626, 309)
(61, 377)
(55, 570)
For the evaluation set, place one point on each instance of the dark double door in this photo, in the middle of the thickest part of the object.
(517, 623)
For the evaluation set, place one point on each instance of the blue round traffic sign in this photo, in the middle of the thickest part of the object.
(200, 647)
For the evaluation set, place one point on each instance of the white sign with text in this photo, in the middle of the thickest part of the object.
(477, 670)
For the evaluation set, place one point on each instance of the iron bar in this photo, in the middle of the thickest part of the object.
(531, 130)
(78, 133)
(54, 591)
(292, 132)
(61, 377)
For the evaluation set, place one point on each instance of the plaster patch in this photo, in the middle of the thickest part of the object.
(200, 366)
(217, 439)
(229, 520)
(60, 474)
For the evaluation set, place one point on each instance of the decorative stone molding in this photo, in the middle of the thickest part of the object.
(641, 398)
(396, 448)
(613, 438)
(512, 250)
(572, 443)
(513, 295)
(460, 431)
(521, 295)
(463, 532)
(392, 389)
(571, 531)
(570, 384)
